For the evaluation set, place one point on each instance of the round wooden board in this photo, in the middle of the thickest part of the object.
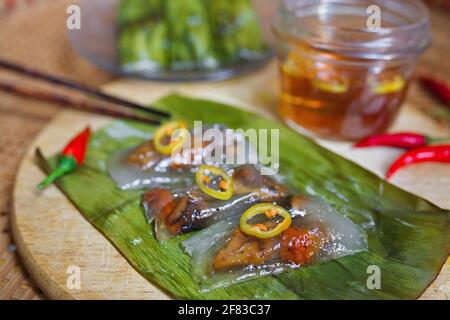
(52, 236)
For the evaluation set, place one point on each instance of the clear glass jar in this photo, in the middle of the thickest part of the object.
(342, 75)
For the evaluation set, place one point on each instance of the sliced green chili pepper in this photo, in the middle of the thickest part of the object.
(165, 131)
(202, 177)
(260, 230)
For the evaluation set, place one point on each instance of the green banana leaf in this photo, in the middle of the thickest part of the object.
(132, 43)
(408, 237)
(143, 39)
(131, 12)
(189, 33)
(190, 36)
(236, 29)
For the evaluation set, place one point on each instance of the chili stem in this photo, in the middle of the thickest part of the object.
(66, 165)
(437, 140)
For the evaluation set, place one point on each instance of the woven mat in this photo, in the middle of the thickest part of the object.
(35, 35)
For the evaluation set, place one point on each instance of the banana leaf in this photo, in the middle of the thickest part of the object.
(143, 42)
(135, 11)
(236, 29)
(249, 35)
(132, 44)
(408, 237)
(190, 34)
(181, 50)
(158, 45)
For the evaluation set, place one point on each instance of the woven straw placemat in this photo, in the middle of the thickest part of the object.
(34, 35)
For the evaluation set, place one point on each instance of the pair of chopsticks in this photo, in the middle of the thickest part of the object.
(135, 111)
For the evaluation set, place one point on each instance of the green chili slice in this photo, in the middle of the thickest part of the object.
(165, 131)
(260, 230)
(225, 185)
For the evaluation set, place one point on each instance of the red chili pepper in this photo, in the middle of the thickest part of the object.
(71, 158)
(439, 88)
(424, 154)
(405, 140)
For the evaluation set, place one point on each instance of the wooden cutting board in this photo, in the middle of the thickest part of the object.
(56, 242)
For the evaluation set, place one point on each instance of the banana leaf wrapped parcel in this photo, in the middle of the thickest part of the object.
(180, 35)
(154, 163)
(237, 30)
(129, 12)
(179, 211)
(191, 44)
(269, 239)
(144, 46)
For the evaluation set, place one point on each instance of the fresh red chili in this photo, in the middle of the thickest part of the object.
(71, 157)
(424, 154)
(77, 146)
(406, 140)
(439, 88)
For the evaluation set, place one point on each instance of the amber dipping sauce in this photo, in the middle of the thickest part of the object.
(345, 65)
(340, 99)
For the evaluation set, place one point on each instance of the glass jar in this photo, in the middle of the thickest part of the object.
(346, 65)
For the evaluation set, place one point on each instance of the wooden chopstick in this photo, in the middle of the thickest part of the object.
(79, 87)
(78, 104)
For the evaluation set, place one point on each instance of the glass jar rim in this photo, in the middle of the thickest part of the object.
(411, 36)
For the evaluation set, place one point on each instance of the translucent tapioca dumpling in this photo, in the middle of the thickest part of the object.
(270, 238)
(153, 164)
(216, 195)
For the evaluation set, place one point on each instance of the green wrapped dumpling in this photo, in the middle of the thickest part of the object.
(144, 46)
(191, 44)
(186, 35)
(236, 28)
(133, 11)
